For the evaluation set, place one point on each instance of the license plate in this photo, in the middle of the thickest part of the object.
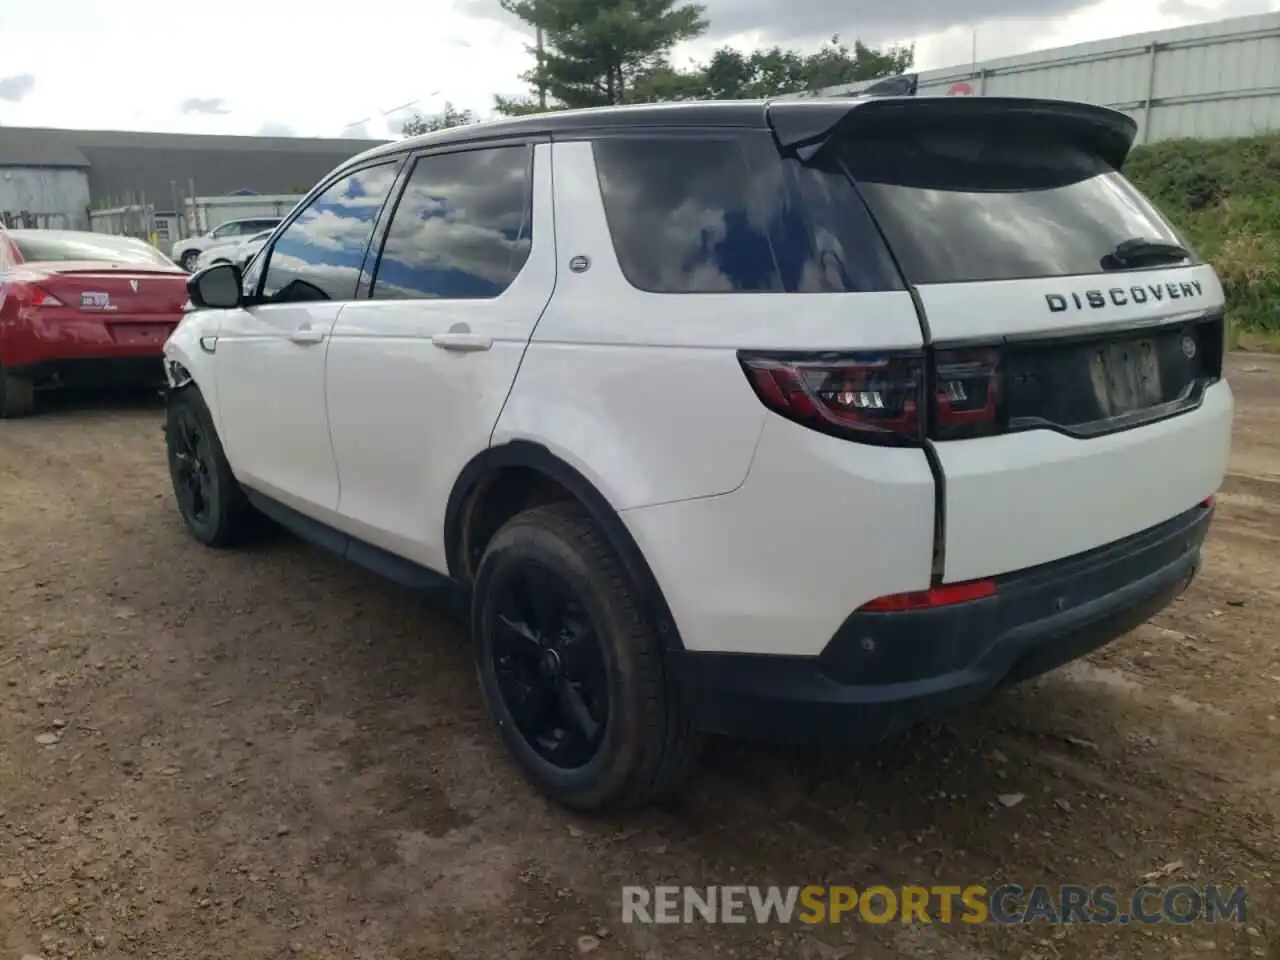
(1126, 376)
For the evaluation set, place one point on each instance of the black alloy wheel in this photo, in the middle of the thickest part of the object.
(194, 482)
(549, 664)
(211, 503)
(571, 670)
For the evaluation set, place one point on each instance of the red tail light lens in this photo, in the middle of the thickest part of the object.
(39, 297)
(966, 393)
(33, 295)
(940, 596)
(871, 398)
(883, 398)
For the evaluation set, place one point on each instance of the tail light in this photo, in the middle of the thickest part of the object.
(967, 393)
(871, 398)
(33, 295)
(892, 398)
(39, 297)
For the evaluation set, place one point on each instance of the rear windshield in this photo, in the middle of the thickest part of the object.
(708, 214)
(55, 248)
(957, 206)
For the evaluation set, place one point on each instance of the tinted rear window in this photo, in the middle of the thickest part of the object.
(712, 215)
(53, 248)
(959, 206)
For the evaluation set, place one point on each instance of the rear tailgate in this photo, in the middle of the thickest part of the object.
(1055, 293)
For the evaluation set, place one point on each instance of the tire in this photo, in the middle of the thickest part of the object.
(210, 500)
(17, 396)
(188, 260)
(642, 748)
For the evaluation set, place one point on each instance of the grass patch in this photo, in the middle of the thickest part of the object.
(1224, 195)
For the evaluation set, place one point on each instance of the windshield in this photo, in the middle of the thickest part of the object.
(36, 247)
(957, 206)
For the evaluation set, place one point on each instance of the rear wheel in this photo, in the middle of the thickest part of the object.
(210, 500)
(17, 395)
(570, 669)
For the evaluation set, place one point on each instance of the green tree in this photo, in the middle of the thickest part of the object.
(450, 116)
(600, 52)
(731, 74)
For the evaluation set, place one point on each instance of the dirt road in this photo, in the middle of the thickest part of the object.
(270, 754)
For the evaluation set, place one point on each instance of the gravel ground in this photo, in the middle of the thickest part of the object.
(270, 754)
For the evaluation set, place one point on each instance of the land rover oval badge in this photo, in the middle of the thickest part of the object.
(580, 264)
(1189, 347)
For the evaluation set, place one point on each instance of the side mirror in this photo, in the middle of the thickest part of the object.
(216, 287)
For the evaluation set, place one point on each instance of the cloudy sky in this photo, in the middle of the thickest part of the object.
(329, 68)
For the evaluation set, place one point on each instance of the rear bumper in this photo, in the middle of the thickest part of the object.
(36, 348)
(882, 672)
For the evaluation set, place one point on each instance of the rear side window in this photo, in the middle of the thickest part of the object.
(461, 230)
(722, 215)
(960, 205)
(320, 254)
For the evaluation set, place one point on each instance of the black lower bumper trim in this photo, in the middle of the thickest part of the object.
(882, 672)
(96, 372)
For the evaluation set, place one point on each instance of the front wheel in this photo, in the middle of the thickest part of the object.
(210, 500)
(188, 261)
(570, 670)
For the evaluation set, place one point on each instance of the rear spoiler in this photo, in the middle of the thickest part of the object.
(803, 127)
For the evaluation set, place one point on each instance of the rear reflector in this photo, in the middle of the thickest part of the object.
(941, 596)
(1207, 502)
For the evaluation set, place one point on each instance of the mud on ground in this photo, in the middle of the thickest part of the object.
(270, 754)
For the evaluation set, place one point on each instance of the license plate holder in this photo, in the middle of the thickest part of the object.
(141, 334)
(1125, 376)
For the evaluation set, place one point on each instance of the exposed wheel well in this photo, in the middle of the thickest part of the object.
(515, 477)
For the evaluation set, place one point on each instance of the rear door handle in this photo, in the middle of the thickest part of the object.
(462, 342)
(306, 335)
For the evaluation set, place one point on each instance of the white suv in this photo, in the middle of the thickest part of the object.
(785, 420)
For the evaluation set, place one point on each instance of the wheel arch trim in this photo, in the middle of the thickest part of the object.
(536, 457)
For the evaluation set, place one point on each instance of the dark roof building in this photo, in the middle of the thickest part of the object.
(126, 167)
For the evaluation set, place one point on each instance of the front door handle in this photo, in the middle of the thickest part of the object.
(462, 342)
(306, 335)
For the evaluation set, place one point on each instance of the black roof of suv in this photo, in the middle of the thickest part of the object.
(802, 122)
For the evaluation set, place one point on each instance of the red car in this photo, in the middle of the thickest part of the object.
(82, 309)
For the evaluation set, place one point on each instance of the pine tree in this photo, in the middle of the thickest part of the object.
(600, 52)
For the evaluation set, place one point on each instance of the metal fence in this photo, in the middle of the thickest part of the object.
(34, 219)
(133, 220)
(1212, 80)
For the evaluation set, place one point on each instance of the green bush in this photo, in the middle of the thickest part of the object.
(1224, 195)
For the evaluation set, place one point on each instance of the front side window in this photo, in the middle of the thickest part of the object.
(320, 254)
(729, 215)
(225, 231)
(461, 230)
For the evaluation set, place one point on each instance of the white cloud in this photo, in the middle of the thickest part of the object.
(16, 87)
(322, 67)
